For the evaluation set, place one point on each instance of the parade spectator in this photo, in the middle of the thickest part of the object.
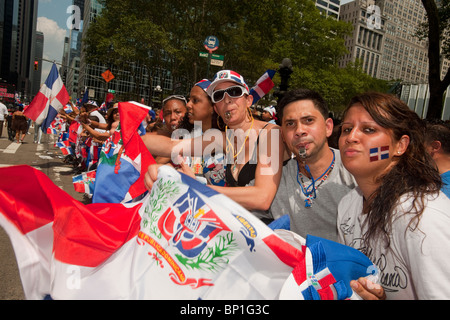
(209, 169)
(314, 180)
(174, 109)
(19, 124)
(112, 122)
(269, 114)
(37, 133)
(11, 132)
(3, 115)
(397, 215)
(252, 173)
(437, 141)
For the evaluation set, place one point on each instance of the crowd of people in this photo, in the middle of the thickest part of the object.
(13, 118)
(380, 185)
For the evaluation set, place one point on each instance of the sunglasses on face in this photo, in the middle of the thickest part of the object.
(233, 92)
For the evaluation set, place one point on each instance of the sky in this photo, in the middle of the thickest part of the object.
(52, 21)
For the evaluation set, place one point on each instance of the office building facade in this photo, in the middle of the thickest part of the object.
(384, 41)
(18, 20)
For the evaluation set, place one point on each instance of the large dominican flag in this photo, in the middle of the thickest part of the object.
(49, 101)
(183, 241)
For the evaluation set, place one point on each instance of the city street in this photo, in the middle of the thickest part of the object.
(48, 159)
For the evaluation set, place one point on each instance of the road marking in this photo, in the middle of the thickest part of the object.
(12, 148)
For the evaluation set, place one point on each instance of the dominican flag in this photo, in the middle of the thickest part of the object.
(68, 108)
(65, 147)
(51, 130)
(84, 183)
(380, 153)
(183, 241)
(263, 86)
(49, 101)
(124, 158)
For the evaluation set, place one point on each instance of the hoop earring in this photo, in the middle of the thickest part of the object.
(218, 122)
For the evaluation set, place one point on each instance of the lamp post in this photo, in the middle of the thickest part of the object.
(285, 70)
(158, 95)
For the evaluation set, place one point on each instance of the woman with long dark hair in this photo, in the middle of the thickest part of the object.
(397, 215)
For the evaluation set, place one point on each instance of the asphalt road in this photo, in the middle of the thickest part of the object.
(48, 159)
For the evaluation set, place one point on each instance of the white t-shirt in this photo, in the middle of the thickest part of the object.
(3, 112)
(416, 265)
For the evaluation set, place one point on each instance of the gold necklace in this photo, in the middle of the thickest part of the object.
(232, 144)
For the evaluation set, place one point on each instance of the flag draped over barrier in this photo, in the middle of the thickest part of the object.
(182, 241)
(51, 98)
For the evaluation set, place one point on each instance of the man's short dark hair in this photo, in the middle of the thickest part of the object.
(438, 130)
(303, 94)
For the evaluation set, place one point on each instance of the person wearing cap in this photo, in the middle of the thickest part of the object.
(269, 114)
(254, 148)
(210, 168)
(112, 122)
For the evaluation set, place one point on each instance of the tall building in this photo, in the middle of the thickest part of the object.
(70, 69)
(383, 39)
(18, 19)
(38, 55)
(329, 7)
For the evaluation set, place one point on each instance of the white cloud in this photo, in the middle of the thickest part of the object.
(53, 43)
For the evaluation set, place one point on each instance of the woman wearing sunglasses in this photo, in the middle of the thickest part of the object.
(397, 215)
(254, 148)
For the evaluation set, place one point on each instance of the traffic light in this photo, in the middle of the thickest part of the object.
(36, 65)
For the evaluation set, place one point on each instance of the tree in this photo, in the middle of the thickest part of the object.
(254, 36)
(436, 30)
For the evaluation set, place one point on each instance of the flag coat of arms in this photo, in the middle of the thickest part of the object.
(182, 241)
(380, 153)
(51, 98)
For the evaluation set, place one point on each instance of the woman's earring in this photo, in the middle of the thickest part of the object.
(218, 123)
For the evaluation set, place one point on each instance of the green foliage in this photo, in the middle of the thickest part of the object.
(253, 35)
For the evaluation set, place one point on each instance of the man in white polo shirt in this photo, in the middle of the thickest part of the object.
(3, 115)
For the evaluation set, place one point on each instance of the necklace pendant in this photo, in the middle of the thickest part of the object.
(308, 203)
(234, 168)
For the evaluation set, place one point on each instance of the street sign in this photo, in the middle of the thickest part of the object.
(108, 76)
(213, 56)
(211, 43)
(217, 63)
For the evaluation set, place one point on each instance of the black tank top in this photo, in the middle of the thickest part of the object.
(247, 172)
